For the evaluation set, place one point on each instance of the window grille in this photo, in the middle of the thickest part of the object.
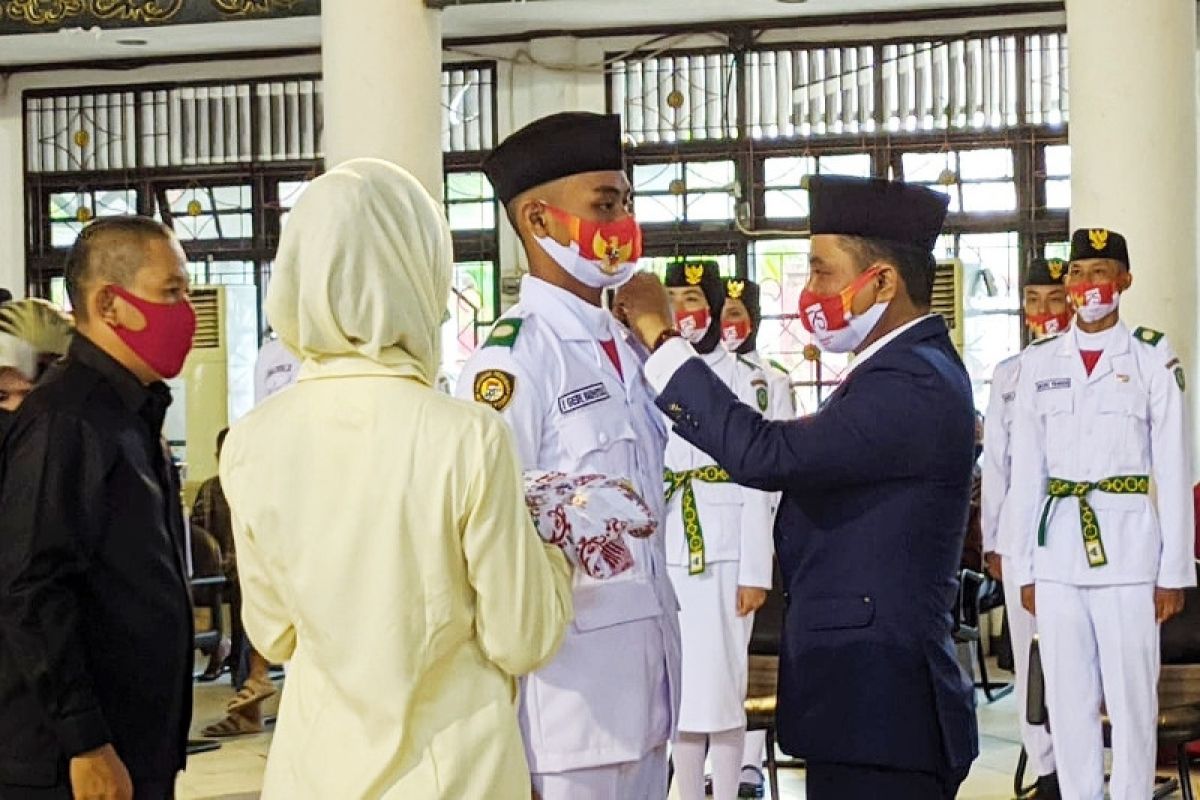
(267, 121)
(1046, 79)
(676, 98)
(468, 115)
(966, 84)
(810, 92)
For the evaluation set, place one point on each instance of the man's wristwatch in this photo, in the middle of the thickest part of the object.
(663, 338)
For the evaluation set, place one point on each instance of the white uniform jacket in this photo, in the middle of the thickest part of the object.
(782, 400)
(612, 694)
(997, 456)
(1128, 418)
(737, 522)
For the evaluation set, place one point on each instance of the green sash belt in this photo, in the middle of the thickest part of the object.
(1058, 488)
(682, 481)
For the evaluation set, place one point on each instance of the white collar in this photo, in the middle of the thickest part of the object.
(1095, 341)
(883, 342)
(571, 317)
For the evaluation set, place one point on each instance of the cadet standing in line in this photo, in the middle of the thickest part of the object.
(1100, 415)
(1047, 313)
(568, 380)
(718, 556)
(741, 319)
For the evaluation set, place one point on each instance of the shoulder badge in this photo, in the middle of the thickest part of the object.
(494, 387)
(761, 396)
(1042, 341)
(505, 333)
(1148, 335)
(1179, 379)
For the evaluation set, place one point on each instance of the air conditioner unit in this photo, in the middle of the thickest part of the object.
(948, 298)
(216, 386)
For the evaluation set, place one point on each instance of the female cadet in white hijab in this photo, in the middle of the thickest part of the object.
(383, 541)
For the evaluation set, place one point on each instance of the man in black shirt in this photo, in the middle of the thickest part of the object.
(95, 617)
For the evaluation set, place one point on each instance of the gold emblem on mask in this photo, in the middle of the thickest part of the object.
(611, 253)
(1098, 238)
(693, 274)
(735, 289)
(1056, 268)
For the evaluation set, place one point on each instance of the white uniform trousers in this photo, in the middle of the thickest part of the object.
(1101, 643)
(716, 648)
(1022, 626)
(633, 780)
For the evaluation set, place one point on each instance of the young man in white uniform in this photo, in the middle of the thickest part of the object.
(718, 555)
(568, 379)
(1101, 416)
(1047, 313)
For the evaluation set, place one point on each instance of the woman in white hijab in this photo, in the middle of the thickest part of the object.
(383, 541)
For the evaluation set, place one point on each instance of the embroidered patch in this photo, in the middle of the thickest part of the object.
(1179, 379)
(761, 396)
(495, 388)
(1008, 397)
(582, 398)
(1055, 383)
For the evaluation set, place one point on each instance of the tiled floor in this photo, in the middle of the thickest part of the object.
(235, 771)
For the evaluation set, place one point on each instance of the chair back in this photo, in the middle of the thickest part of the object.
(1180, 636)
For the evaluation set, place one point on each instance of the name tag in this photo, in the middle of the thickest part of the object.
(582, 398)
(1056, 383)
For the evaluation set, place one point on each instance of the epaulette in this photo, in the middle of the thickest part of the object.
(1149, 336)
(505, 333)
(1042, 341)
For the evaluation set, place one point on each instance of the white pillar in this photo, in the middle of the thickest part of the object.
(1133, 153)
(382, 66)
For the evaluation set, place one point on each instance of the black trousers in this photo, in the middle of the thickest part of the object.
(862, 782)
(146, 790)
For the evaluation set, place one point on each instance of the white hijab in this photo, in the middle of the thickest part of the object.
(363, 270)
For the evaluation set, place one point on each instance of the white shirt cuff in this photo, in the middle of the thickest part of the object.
(666, 361)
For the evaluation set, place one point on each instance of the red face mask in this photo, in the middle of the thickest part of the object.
(735, 334)
(609, 244)
(831, 312)
(693, 324)
(166, 340)
(1041, 325)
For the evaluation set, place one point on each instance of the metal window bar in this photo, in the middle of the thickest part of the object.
(204, 124)
(677, 97)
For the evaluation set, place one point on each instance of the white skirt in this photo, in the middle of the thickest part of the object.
(716, 645)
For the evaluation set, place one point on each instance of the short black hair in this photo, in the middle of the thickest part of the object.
(5, 295)
(83, 267)
(917, 267)
(221, 438)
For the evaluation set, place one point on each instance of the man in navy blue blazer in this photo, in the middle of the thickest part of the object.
(876, 488)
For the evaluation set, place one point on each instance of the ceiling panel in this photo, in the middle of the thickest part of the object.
(475, 20)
